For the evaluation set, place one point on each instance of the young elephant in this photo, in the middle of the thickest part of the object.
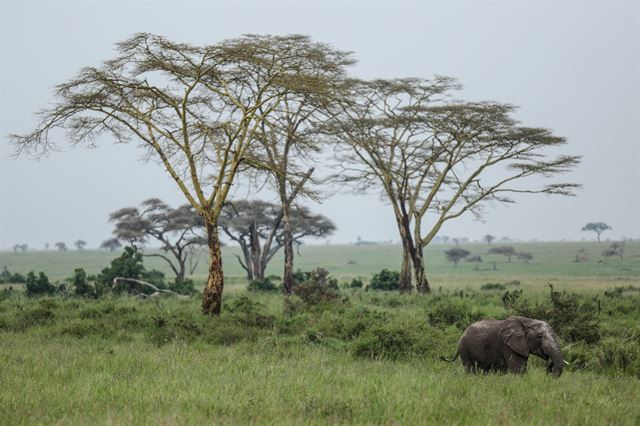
(492, 345)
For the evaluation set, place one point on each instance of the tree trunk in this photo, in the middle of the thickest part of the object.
(257, 271)
(212, 293)
(405, 270)
(422, 284)
(287, 280)
(181, 270)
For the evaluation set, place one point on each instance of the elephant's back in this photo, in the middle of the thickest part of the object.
(482, 329)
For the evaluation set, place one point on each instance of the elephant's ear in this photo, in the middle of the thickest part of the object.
(514, 335)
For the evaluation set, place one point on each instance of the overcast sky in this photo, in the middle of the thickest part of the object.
(571, 66)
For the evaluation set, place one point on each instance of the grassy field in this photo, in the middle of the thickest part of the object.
(552, 261)
(366, 357)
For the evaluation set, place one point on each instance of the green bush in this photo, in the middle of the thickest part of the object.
(385, 280)
(250, 313)
(384, 343)
(356, 283)
(317, 289)
(130, 265)
(184, 286)
(38, 286)
(572, 318)
(171, 328)
(492, 286)
(81, 286)
(263, 285)
(451, 312)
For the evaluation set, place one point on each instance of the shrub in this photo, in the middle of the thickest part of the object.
(619, 356)
(356, 283)
(451, 312)
(492, 286)
(318, 288)
(80, 285)
(38, 286)
(18, 278)
(130, 265)
(173, 328)
(184, 286)
(263, 285)
(510, 298)
(385, 280)
(250, 313)
(573, 320)
(384, 343)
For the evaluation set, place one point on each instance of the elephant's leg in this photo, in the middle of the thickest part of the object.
(469, 365)
(516, 363)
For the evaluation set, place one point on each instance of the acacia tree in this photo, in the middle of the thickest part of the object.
(506, 251)
(289, 140)
(456, 254)
(112, 244)
(431, 156)
(195, 109)
(177, 230)
(257, 227)
(597, 227)
(80, 244)
(61, 246)
(489, 238)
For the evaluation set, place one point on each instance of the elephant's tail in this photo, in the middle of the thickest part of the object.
(444, 358)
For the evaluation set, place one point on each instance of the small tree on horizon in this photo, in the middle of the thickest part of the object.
(456, 254)
(80, 244)
(597, 227)
(488, 238)
(507, 251)
(61, 246)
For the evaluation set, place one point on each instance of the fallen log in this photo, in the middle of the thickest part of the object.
(156, 291)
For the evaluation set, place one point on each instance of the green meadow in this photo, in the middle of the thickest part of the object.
(362, 357)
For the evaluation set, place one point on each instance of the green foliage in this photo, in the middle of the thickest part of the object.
(130, 265)
(81, 286)
(509, 298)
(356, 283)
(384, 342)
(573, 318)
(453, 311)
(263, 285)
(7, 277)
(492, 286)
(318, 289)
(184, 286)
(385, 280)
(38, 286)
(127, 265)
(456, 254)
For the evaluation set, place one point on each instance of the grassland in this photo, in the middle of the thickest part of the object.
(366, 358)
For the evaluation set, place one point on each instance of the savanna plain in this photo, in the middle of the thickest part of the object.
(343, 354)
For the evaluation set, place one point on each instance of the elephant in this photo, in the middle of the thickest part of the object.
(504, 345)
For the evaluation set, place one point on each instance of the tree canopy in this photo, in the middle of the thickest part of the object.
(178, 230)
(257, 227)
(597, 227)
(194, 109)
(436, 159)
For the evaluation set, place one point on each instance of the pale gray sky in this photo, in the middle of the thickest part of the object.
(570, 66)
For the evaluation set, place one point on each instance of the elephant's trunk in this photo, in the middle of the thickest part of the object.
(557, 362)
